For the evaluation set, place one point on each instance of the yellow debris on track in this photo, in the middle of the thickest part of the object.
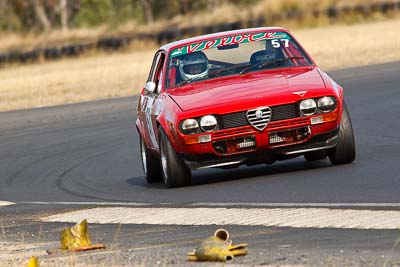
(217, 248)
(76, 239)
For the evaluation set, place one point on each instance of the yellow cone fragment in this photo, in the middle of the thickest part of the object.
(238, 250)
(212, 249)
(77, 238)
(217, 248)
(33, 262)
(223, 235)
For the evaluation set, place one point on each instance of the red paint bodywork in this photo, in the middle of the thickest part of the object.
(235, 93)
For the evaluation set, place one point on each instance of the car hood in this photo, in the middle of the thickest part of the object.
(243, 90)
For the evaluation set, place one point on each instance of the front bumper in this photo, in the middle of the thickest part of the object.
(209, 160)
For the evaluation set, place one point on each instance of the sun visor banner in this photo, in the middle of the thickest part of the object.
(229, 40)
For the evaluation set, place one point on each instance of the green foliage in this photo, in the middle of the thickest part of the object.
(15, 17)
(9, 21)
(21, 15)
(244, 2)
(94, 12)
(109, 12)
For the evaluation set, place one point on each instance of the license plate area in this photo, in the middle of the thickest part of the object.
(290, 136)
(235, 145)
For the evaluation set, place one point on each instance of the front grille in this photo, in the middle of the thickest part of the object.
(238, 119)
(285, 112)
(233, 120)
(259, 118)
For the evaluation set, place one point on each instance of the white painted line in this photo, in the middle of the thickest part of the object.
(279, 217)
(242, 204)
(96, 203)
(316, 205)
(6, 203)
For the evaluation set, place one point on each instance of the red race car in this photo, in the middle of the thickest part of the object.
(249, 96)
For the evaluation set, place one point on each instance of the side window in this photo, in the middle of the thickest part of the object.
(153, 66)
(156, 70)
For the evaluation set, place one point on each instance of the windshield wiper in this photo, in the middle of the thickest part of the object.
(227, 69)
(270, 63)
(196, 78)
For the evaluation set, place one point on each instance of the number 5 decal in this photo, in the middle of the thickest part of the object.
(276, 44)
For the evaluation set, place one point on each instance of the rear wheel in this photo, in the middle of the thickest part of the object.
(151, 164)
(174, 171)
(315, 155)
(345, 150)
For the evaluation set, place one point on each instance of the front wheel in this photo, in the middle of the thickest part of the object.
(174, 171)
(345, 150)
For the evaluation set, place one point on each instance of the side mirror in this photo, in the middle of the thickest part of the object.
(149, 87)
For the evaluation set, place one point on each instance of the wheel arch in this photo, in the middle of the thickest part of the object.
(166, 121)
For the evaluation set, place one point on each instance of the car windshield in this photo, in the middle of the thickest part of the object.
(233, 55)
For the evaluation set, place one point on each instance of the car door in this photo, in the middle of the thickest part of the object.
(150, 103)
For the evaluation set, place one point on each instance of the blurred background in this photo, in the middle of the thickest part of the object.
(105, 47)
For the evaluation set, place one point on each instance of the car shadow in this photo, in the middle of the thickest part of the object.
(213, 175)
(140, 181)
(209, 176)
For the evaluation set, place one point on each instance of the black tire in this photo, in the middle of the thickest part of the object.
(345, 150)
(174, 171)
(151, 164)
(315, 155)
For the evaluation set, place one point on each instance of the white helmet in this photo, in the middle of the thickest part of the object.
(193, 64)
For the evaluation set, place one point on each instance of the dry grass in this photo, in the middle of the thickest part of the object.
(27, 41)
(357, 45)
(115, 75)
(18, 254)
(70, 81)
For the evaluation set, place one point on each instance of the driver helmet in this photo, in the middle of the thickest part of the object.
(193, 64)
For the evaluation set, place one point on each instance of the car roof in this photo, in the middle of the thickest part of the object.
(183, 42)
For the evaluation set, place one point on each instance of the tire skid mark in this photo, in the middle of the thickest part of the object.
(10, 180)
(88, 135)
(61, 176)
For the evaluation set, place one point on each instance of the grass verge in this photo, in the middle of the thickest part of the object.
(114, 75)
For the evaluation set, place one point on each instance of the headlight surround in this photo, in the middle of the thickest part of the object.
(308, 107)
(326, 104)
(208, 123)
(189, 126)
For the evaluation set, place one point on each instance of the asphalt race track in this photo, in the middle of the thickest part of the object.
(60, 158)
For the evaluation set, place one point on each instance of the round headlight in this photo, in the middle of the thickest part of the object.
(326, 104)
(189, 126)
(308, 107)
(208, 123)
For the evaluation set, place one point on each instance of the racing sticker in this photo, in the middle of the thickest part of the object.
(149, 121)
(229, 40)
